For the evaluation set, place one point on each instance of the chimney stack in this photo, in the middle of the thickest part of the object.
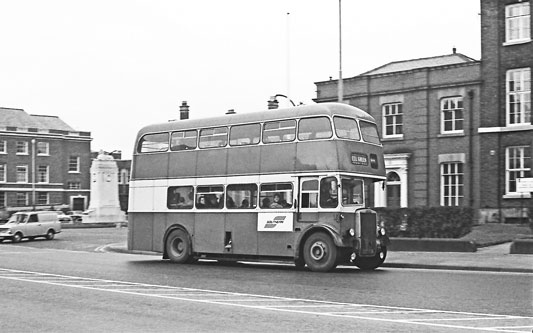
(273, 103)
(231, 111)
(184, 111)
(454, 50)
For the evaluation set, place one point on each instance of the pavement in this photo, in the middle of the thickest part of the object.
(495, 258)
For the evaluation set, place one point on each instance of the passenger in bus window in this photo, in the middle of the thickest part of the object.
(329, 193)
(201, 202)
(276, 201)
(173, 197)
(212, 201)
(265, 203)
(229, 202)
(245, 204)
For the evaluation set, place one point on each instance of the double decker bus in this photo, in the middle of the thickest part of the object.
(289, 184)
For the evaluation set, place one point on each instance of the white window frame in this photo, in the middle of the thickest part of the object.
(74, 185)
(43, 177)
(26, 198)
(522, 153)
(3, 172)
(19, 172)
(22, 147)
(46, 201)
(446, 106)
(77, 170)
(46, 146)
(391, 110)
(3, 147)
(454, 181)
(521, 92)
(517, 23)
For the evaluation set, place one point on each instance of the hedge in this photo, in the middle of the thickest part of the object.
(427, 222)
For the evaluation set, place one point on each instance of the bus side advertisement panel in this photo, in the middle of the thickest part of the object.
(273, 222)
(277, 158)
(143, 166)
(316, 155)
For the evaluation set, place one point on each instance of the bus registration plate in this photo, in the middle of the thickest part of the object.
(275, 222)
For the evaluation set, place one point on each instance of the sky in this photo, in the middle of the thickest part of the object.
(111, 67)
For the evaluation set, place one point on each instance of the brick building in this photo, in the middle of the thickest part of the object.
(44, 163)
(506, 131)
(427, 110)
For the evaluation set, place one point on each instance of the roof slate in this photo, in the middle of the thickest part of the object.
(406, 65)
(20, 119)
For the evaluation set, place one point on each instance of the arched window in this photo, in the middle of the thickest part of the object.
(393, 177)
(393, 190)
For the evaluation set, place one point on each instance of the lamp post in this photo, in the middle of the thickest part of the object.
(290, 100)
(340, 85)
(33, 173)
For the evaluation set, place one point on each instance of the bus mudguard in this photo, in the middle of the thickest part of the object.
(337, 239)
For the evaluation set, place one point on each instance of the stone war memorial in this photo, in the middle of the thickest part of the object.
(104, 206)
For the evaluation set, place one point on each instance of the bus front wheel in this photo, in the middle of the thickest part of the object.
(178, 246)
(320, 253)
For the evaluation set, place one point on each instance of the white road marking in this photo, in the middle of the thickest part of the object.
(281, 304)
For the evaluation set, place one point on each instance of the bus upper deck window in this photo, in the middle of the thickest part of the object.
(314, 128)
(241, 135)
(183, 140)
(279, 131)
(152, 143)
(213, 137)
(369, 132)
(346, 128)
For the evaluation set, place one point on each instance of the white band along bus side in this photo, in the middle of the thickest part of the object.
(288, 184)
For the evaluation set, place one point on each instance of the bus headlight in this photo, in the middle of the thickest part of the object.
(352, 232)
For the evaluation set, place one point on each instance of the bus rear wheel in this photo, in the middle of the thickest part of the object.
(371, 263)
(320, 253)
(178, 246)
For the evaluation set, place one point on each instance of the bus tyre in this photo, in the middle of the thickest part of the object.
(320, 253)
(178, 246)
(371, 263)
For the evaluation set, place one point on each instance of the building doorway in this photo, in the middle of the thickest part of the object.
(78, 203)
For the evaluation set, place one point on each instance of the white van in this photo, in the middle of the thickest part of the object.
(30, 225)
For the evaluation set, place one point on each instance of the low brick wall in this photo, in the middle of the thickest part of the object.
(431, 245)
(522, 246)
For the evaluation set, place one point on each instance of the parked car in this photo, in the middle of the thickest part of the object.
(77, 216)
(65, 219)
(30, 225)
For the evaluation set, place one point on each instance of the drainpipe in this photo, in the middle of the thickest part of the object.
(471, 145)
